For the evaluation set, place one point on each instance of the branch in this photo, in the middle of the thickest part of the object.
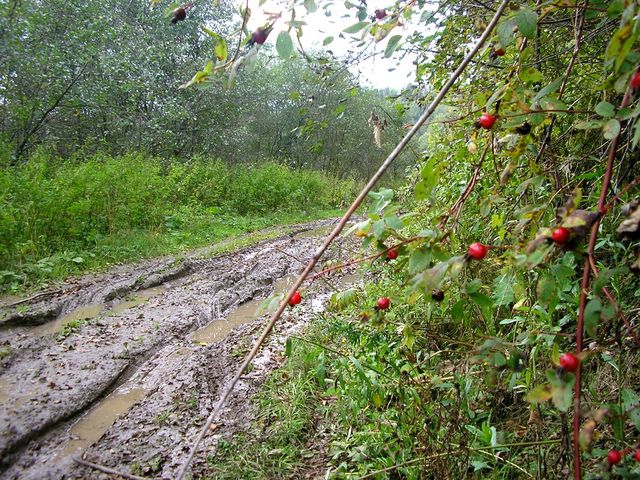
(584, 287)
(336, 231)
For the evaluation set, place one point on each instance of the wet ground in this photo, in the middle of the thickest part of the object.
(122, 368)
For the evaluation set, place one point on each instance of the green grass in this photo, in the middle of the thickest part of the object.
(64, 217)
(283, 434)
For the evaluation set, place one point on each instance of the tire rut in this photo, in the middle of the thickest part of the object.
(51, 382)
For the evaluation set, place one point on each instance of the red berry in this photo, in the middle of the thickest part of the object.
(637, 455)
(614, 457)
(381, 13)
(477, 251)
(499, 52)
(295, 299)
(392, 254)
(487, 120)
(259, 36)
(569, 362)
(561, 235)
(635, 80)
(383, 303)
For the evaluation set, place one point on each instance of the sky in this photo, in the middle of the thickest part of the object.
(377, 71)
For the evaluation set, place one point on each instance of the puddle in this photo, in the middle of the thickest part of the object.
(218, 329)
(138, 298)
(92, 426)
(82, 313)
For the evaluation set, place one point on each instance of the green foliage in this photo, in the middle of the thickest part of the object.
(59, 217)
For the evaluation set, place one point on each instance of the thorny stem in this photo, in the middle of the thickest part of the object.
(584, 287)
(336, 231)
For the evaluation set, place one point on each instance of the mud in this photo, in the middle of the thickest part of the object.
(128, 368)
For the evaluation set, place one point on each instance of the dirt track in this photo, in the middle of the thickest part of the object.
(131, 385)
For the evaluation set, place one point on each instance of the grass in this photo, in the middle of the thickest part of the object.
(65, 217)
(283, 434)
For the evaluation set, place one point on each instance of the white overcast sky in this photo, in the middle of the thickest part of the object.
(378, 71)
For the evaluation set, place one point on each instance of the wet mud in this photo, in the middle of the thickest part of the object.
(122, 368)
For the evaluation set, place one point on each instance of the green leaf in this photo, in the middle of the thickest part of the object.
(505, 31)
(527, 20)
(605, 109)
(310, 5)
(327, 41)
(530, 74)
(284, 45)
(481, 299)
(419, 260)
(611, 129)
(592, 315)
(588, 124)
(503, 293)
(457, 311)
(547, 90)
(539, 394)
(392, 45)
(356, 27)
(288, 346)
(220, 47)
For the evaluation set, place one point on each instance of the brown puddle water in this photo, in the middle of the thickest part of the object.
(220, 328)
(140, 297)
(82, 313)
(92, 426)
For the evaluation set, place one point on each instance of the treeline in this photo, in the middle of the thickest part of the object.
(103, 76)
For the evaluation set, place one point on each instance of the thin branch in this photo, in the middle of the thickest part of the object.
(356, 203)
(108, 470)
(584, 287)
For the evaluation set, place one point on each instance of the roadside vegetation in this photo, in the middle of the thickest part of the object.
(61, 217)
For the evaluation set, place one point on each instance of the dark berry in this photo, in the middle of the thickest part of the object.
(499, 52)
(438, 295)
(179, 14)
(381, 13)
(524, 129)
(259, 36)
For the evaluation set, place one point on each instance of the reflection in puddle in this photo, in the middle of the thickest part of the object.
(139, 298)
(93, 425)
(82, 313)
(218, 329)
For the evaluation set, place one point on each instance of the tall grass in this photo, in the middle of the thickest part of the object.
(52, 208)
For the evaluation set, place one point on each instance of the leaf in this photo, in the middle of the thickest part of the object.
(527, 20)
(592, 315)
(588, 124)
(284, 45)
(392, 45)
(288, 346)
(505, 31)
(419, 260)
(327, 41)
(611, 129)
(220, 48)
(530, 74)
(605, 109)
(481, 299)
(310, 5)
(356, 27)
(503, 293)
(547, 90)
(539, 394)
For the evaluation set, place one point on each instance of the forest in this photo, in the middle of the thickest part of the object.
(316, 239)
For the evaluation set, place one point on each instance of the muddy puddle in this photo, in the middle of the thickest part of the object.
(93, 311)
(92, 426)
(220, 328)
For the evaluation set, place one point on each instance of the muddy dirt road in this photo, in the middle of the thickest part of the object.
(123, 367)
